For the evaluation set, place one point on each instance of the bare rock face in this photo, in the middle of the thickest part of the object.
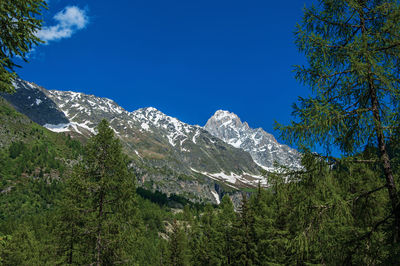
(262, 146)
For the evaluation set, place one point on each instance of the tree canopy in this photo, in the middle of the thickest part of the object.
(19, 22)
(352, 49)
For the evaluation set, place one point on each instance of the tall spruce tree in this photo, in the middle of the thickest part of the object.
(225, 221)
(177, 246)
(19, 23)
(100, 206)
(71, 219)
(352, 48)
(269, 227)
(209, 240)
(244, 237)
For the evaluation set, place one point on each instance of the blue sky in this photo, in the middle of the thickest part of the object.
(185, 58)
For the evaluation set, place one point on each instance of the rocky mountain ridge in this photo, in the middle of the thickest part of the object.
(168, 155)
(262, 146)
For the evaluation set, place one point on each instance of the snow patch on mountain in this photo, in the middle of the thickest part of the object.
(145, 127)
(58, 128)
(195, 136)
(176, 131)
(72, 126)
(216, 196)
(235, 179)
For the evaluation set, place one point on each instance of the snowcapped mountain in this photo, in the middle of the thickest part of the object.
(83, 111)
(149, 133)
(168, 155)
(262, 146)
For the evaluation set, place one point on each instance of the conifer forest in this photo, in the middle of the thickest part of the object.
(80, 200)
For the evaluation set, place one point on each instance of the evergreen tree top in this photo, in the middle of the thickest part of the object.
(351, 47)
(19, 22)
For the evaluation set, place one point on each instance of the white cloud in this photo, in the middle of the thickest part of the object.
(69, 20)
(71, 17)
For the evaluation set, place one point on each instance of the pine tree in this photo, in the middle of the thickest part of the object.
(269, 228)
(71, 219)
(206, 239)
(18, 23)
(225, 221)
(100, 205)
(353, 48)
(22, 248)
(244, 241)
(177, 246)
(195, 241)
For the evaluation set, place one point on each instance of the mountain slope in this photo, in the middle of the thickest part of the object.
(262, 146)
(31, 158)
(31, 100)
(168, 155)
(150, 133)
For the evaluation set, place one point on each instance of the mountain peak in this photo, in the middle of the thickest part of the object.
(224, 115)
(262, 146)
(149, 109)
(224, 119)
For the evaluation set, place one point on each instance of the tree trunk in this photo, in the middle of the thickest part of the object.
(98, 243)
(71, 246)
(385, 159)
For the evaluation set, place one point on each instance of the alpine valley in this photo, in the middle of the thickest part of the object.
(201, 164)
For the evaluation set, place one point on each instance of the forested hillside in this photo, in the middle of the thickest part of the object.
(36, 173)
(331, 211)
(76, 201)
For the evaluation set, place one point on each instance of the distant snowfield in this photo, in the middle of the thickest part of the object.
(58, 128)
(72, 126)
(233, 178)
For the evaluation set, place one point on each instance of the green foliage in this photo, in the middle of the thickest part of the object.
(177, 246)
(37, 194)
(21, 248)
(270, 232)
(30, 174)
(29, 244)
(225, 222)
(330, 212)
(19, 23)
(352, 49)
(244, 239)
(99, 212)
(210, 239)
